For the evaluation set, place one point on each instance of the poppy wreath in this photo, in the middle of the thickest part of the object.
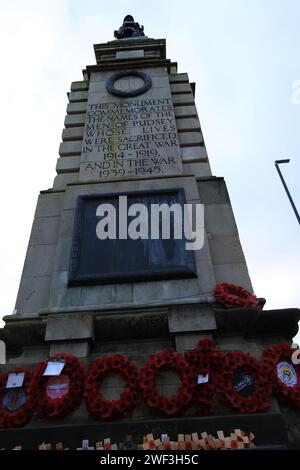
(24, 414)
(55, 408)
(200, 361)
(168, 360)
(108, 410)
(285, 389)
(232, 296)
(259, 398)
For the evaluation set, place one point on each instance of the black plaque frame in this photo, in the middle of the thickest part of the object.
(78, 277)
(110, 84)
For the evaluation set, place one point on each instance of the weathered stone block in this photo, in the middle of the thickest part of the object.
(82, 85)
(97, 295)
(78, 96)
(198, 169)
(73, 120)
(67, 225)
(206, 276)
(233, 273)
(39, 260)
(213, 191)
(65, 298)
(49, 205)
(183, 99)
(62, 180)
(44, 230)
(183, 111)
(69, 327)
(122, 293)
(70, 148)
(187, 124)
(226, 248)
(185, 318)
(187, 341)
(60, 280)
(190, 154)
(178, 77)
(33, 294)
(155, 291)
(178, 88)
(152, 71)
(72, 133)
(219, 219)
(77, 108)
(159, 81)
(62, 257)
(67, 164)
(75, 348)
(188, 183)
(190, 139)
(129, 326)
(130, 54)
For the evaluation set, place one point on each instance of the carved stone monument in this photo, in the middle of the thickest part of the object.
(132, 129)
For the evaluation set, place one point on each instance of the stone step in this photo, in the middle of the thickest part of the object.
(62, 180)
(190, 139)
(82, 85)
(67, 164)
(180, 88)
(188, 124)
(77, 108)
(184, 111)
(191, 154)
(77, 96)
(178, 78)
(74, 120)
(70, 148)
(183, 99)
(72, 133)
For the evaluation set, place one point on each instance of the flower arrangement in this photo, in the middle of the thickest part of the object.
(231, 296)
(22, 401)
(283, 374)
(49, 408)
(98, 406)
(242, 384)
(167, 360)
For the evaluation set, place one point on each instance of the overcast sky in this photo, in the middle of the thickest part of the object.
(244, 57)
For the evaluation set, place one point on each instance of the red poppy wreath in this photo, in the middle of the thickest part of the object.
(16, 404)
(59, 396)
(175, 404)
(283, 373)
(232, 296)
(242, 384)
(100, 407)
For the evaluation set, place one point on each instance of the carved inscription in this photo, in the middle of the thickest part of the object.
(132, 138)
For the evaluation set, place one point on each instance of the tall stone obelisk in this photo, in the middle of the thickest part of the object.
(132, 129)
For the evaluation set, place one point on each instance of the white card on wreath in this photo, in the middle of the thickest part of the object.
(15, 380)
(54, 368)
(202, 379)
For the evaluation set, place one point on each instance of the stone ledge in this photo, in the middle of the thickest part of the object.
(189, 318)
(82, 85)
(69, 327)
(256, 322)
(268, 428)
(131, 326)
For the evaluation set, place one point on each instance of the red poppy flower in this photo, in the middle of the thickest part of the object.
(169, 406)
(54, 408)
(108, 410)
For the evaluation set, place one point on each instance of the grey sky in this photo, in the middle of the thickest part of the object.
(244, 58)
